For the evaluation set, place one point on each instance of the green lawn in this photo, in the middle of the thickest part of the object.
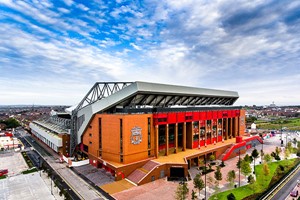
(3, 177)
(261, 184)
(291, 124)
(30, 171)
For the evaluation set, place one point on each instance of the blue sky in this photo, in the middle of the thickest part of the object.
(52, 52)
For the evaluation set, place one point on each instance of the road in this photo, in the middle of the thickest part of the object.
(287, 188)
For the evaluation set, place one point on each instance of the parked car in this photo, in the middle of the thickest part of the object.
(294, 193)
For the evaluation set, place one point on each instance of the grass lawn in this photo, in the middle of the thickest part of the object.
(30, 171)
(261, 184)
(291, 124)
(3, 177)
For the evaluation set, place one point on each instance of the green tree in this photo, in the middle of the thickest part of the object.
(247, 158)
(295, 141)
(231, 177)
(218, 174)
(255, 155)
(198, 183)
(194, 196)
(289, 146)
(231, 197)
(278, 150)
(245, 168)
(11, 123)
(267, 158)
(181, 191)
(287, 153)
(266, 169)
(212, 157)
(251, 182)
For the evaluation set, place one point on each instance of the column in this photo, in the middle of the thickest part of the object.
(176, 138)
(167, 139)
(199, 134)
(205, 134)
(156, 141)
(238, 125)
(184, 137)
(231, 127)
(226, 128)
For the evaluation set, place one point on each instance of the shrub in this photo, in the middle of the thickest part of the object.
(231, 197)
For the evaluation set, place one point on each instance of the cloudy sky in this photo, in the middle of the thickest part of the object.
(52, 52)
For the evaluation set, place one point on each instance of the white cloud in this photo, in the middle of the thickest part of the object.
(68, 2)
(82, 7)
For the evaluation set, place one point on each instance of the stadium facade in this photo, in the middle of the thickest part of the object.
(145, 131)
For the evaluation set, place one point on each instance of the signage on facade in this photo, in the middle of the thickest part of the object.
(136, 135)
(242, 120)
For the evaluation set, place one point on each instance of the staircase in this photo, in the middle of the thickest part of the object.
(226, 152)
(137, 175)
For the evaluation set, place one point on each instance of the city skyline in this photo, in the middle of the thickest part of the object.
(52, 52)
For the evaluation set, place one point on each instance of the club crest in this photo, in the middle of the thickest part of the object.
(136, 135)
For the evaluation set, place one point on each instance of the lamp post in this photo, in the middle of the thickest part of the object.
(240, 168)
(51, 183)
(281, 142)
(239, 152)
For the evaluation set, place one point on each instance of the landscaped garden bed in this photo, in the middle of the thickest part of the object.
(27, 159)
(263, 182)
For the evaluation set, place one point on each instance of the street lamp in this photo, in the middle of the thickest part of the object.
(239, 167)
(51, 183)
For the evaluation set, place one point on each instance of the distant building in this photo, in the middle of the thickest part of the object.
(7, 141)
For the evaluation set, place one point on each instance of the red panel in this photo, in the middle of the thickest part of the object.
(161, 147)
(220, 114)
(215, 115)
(208, 142)
(195, 144)
(181, 117)
(231, 113)
(202, 143)
(162, 115)
(209, 115)
(225, 114)
(188, 113)
(214, 140)
(237, 112)
(202, 115)
(172, 118)
(219, 138)
(196, 116)
(238, 139)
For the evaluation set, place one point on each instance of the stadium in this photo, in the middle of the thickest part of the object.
(145, 131)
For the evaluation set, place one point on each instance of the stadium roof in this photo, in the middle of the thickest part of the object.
(155, 94)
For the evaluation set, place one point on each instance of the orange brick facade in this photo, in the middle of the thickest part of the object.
(109, 146)
(110, 137)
